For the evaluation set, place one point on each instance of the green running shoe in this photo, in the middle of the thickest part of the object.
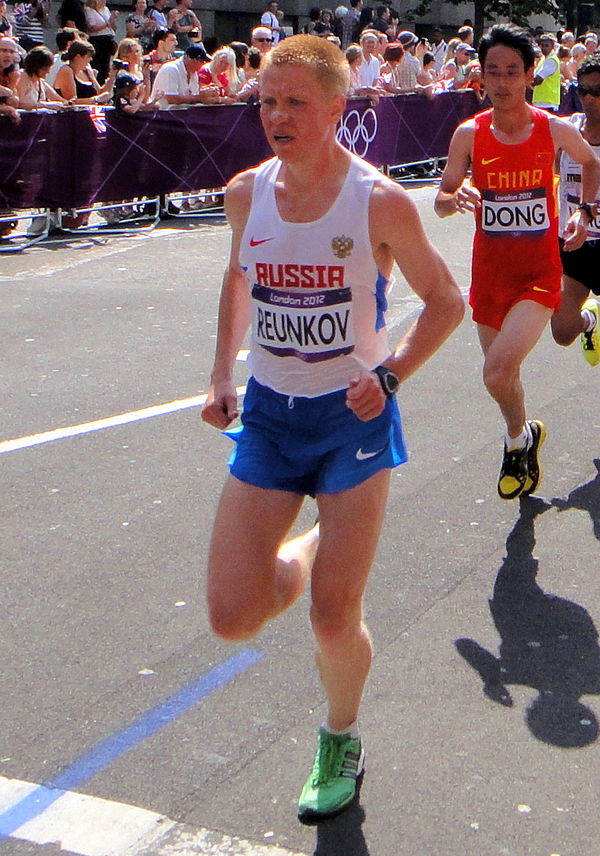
(590, 342)
(332, 784)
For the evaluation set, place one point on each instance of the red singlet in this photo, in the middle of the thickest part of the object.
(515, 249)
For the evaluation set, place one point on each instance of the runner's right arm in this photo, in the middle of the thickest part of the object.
(456, 194)
(220, 407)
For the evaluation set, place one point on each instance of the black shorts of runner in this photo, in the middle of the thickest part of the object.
(583, 264)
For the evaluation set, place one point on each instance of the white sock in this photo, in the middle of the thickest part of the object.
(589, 319)
(519, 442)
(353, 730)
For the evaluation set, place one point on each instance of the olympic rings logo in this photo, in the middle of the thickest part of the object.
(357, 132)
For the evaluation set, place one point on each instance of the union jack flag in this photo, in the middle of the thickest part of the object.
(98, 118)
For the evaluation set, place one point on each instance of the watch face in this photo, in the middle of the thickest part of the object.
(391, 381)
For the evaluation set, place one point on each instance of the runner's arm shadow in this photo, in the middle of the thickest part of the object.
(586, 497)
(488, 668)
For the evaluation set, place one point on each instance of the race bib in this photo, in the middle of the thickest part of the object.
(593, 230)
(517, 212)
(312, 326)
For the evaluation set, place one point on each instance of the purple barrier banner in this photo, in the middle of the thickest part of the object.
(78, 157)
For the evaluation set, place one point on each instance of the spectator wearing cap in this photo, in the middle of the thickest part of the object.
(567, 39)
(178, 80)
(438, 49)
(181, 20)
(270, 18)
(410, 72)
(261, 38)
(591, 43)
(370, 66)
(465, 60)
(546, 78)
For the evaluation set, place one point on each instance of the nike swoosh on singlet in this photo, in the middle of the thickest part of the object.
(486, 161)
(537, 288)
(364, 456)
(254, 243)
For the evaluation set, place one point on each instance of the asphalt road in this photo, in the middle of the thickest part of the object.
(479, 720)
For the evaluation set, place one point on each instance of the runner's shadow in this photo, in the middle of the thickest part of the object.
(343, 835)
(548, 643)
(586, 498)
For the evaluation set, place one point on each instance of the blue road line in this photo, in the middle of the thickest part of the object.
(103, 755)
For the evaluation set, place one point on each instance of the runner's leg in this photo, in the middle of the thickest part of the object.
(568, 323)
(505, 351)
(350, 524)
(252, 574)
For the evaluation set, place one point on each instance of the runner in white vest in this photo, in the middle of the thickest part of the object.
(315, 234)
(578, 314)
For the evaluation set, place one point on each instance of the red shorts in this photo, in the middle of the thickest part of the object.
(491, 302)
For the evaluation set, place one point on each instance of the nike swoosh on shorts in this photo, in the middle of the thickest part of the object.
(364, 456)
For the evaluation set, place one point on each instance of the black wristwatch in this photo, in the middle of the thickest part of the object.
(388, 380)
(589, 209)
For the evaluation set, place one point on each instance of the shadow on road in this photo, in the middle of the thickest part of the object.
(548, 643)
(343, 835)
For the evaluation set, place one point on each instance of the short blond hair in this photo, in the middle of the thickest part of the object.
(324, 58)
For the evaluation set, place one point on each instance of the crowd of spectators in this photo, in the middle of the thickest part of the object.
(162, 61)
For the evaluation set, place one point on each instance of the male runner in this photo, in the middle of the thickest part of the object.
(315, 233)
(578, 314)
(515, 276)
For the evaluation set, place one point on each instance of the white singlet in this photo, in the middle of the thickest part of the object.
(318, 299)
(570, 185)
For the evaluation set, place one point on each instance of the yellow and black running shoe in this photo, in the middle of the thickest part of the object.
(513, 474)
(534, 467)
(590, 342)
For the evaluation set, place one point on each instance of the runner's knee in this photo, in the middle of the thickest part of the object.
(498, 376)
(234, 621)
(333, 622)
(564, 333)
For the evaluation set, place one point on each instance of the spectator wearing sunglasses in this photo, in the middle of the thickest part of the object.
(578, 314)
(262, 39)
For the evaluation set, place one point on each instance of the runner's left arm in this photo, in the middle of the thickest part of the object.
(397, 234)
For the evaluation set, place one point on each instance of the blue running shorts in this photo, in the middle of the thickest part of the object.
(311, 445)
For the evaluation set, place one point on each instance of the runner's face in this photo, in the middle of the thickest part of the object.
(589, 101)
(505, 78)
(299, 118)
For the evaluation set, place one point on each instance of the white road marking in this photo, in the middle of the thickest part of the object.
(108, 422)
(99, 243)
(91, 826)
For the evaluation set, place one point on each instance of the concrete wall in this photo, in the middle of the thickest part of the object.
(235, 18)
